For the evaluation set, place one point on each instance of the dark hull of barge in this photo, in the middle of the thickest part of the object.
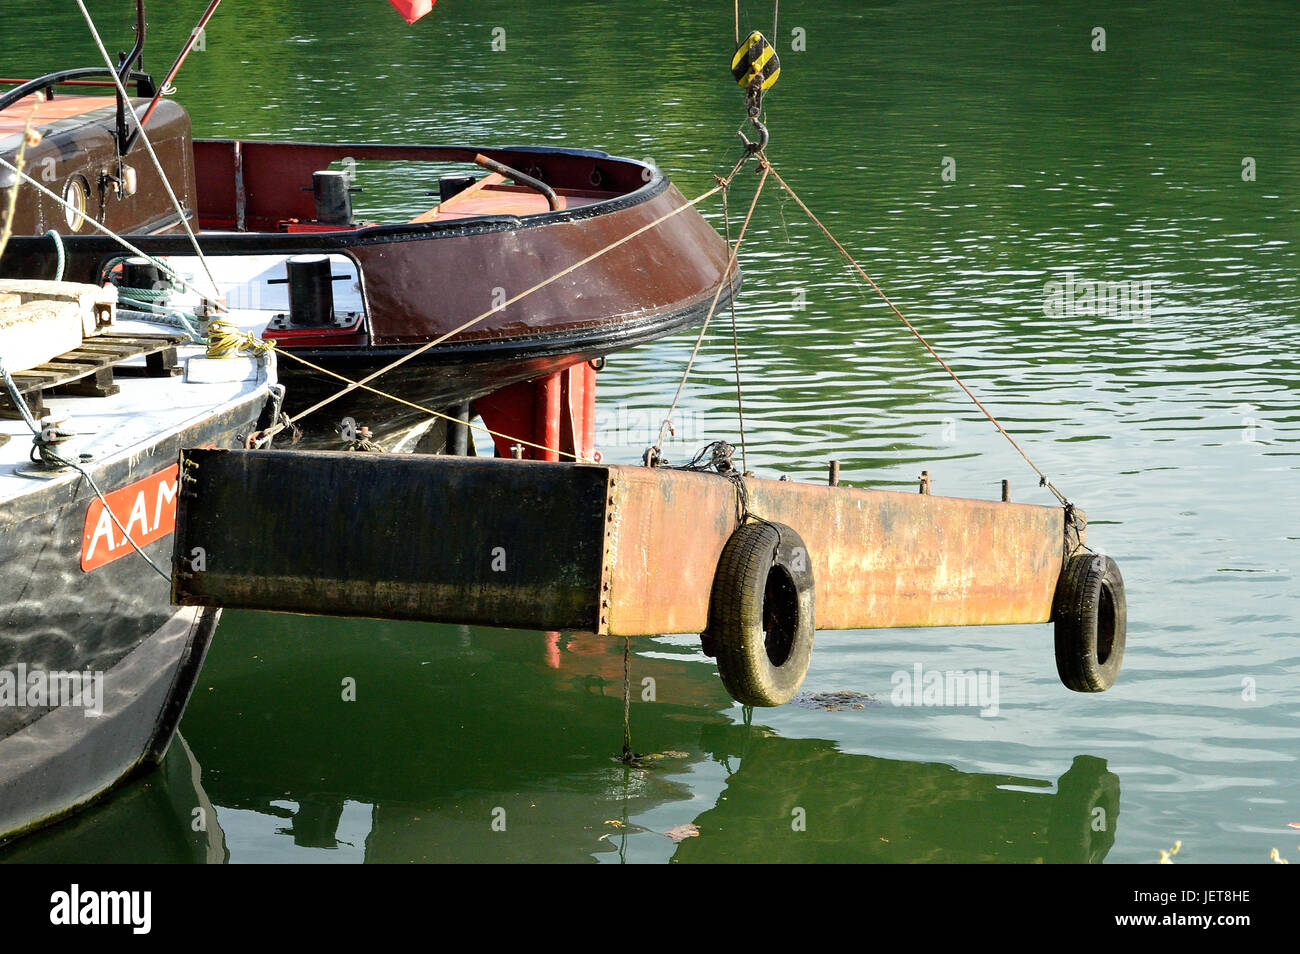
(115, 619)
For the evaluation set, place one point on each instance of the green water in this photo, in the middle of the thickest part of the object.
(1176, 427)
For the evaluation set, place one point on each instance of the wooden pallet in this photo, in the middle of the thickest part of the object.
(89, 370)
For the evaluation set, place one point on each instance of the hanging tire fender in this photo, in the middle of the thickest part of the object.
(762, 614)
(1090, 614)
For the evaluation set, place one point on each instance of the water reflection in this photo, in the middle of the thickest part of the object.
(801, 800)
(162, 817)
(483, 745)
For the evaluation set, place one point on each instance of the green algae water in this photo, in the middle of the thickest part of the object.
(1098, 229)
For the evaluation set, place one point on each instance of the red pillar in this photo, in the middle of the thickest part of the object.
(588, 411)
(557, 411)
(546, 429)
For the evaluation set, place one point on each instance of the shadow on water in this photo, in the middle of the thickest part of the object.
(163, 817)
(493, 745)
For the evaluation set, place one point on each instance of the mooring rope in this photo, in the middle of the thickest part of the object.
(226, 340)
(149, 304)
(17, 399)
(58, 249)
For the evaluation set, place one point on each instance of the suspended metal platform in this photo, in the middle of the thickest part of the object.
(617, 550)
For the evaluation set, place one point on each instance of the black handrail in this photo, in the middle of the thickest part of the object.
(124, 136)
(500, 168)
(53, 79)
(123, 72)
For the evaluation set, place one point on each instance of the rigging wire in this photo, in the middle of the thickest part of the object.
(1043, 479)
(43, 452)
(654, 454)
(129, 108)
(165, 88)
(52, 456)
(735, 346)
(100, 227)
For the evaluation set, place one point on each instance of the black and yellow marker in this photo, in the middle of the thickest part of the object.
(756, 59)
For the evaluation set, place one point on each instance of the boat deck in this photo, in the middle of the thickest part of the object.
(92, 369)
(41, 112)
(491, 195)
(141, 408)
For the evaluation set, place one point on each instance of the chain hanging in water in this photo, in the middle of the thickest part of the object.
(628, 755)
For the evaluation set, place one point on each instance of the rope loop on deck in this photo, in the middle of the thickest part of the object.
(227, 340)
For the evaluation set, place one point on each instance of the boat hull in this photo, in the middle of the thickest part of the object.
(114, 621)
(455, 372)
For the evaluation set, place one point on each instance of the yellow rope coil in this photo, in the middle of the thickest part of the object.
(226, 340)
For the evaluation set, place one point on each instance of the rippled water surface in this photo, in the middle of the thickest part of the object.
(1168, 161)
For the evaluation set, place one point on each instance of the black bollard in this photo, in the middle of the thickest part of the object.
(311, 290)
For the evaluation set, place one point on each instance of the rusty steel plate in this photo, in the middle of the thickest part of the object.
(879, 558)
(628, 551)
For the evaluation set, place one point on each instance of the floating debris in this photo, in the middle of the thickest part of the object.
(639, 760)
(676, 834)
(681, 832)
(838, 701)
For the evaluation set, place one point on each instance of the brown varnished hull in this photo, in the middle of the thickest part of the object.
(669, 268)
(77, 142)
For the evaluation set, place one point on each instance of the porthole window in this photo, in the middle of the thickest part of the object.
(74, 193)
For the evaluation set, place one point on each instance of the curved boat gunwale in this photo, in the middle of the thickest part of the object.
(591, 339)
(229, 242)
(652, 187)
